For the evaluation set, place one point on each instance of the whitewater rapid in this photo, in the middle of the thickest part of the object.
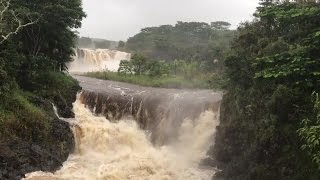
(123, 151)
(86, 60)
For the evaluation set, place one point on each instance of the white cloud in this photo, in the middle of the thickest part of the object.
(120, 19)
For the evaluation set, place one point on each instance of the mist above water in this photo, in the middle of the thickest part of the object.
(87, 60)
(119, 151)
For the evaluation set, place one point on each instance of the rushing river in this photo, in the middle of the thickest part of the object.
(120, 150)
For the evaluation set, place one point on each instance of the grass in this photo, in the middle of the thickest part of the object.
(20, 118)
(58, 88)
(23, 114)
(51, 84)
(205, 81)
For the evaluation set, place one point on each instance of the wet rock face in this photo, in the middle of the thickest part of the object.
(160, 111)
(64, 103)
(19, 156)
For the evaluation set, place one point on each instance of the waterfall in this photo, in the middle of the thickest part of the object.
(86, 60)
(127, 132)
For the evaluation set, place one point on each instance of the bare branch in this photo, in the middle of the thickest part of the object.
(5, 4)
(5, 37)
(4, 8)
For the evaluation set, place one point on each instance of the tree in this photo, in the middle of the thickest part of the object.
(125, 67)
(43, 37)
(185, 40)
(121, 44)
(102, 44)
(190, 70)
(158, 68)
(11, 20)
(84, 42)
(220, 25)
(272, 68)
(53, 34)
(310, 132)
(139, 63)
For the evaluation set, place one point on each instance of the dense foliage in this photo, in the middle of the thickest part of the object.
(269, 124)
(44, 45)
(189, 54)
(94, 43)
(160, 73)
(176, 82)
(36, 41)
(189, 41)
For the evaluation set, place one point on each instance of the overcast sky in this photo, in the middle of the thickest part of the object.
(121, 19)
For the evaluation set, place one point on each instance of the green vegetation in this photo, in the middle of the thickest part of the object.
(35, 48)
(269, 122)
(36, 42)
(21, 115)
(20, 118)
(94, 43)
(310, 132)
(177, 74)
(187, 55)
(190, 41)
(202, 82)
(270, 115)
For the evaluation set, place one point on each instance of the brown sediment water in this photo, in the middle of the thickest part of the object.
(125, 131)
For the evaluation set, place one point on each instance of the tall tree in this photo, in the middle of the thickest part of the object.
(53, 34)
(273, 69)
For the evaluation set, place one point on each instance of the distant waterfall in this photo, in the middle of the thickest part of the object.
(87, 60)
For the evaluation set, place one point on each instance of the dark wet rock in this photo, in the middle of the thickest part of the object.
(20, 155)
(64, 103)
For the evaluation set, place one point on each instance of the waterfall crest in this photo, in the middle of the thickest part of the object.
(86, 60)
(127, 132)
(119, 151)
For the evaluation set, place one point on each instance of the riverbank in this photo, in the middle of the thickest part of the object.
(208, 81)
(32, 138)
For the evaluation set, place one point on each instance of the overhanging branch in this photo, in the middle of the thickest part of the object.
(4, 8)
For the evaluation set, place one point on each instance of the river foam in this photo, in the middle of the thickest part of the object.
(86, 60)
(121, 150)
